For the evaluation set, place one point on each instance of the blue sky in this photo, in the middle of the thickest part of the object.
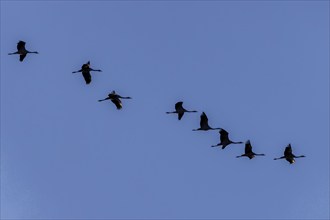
(259, 69)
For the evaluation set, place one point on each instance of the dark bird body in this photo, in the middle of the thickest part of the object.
(22, 51)
(204, 124)
(115, 98)
(85, 70)
(224, 139)
(248, 151)
(179, 110)
(288, 155)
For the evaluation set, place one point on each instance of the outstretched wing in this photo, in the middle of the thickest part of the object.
(87, 77)
(180, 115)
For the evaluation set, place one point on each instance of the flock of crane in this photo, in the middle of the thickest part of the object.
(224, 138)
(204, 125)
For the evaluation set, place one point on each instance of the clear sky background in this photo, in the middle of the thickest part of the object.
(259, 69)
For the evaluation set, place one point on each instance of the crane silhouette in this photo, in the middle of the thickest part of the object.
(288, 155)
(204, 125)
(224, 139)
(22, 51)
(115, 98)
(85, 70)
(179, 110)
(248, 151)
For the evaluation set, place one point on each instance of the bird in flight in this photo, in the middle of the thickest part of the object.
(22, 51)
(248, 151)
(85, 70)
(115, 98)
(179, 110)
(224, 139)
(288, 155)
(204, 125)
